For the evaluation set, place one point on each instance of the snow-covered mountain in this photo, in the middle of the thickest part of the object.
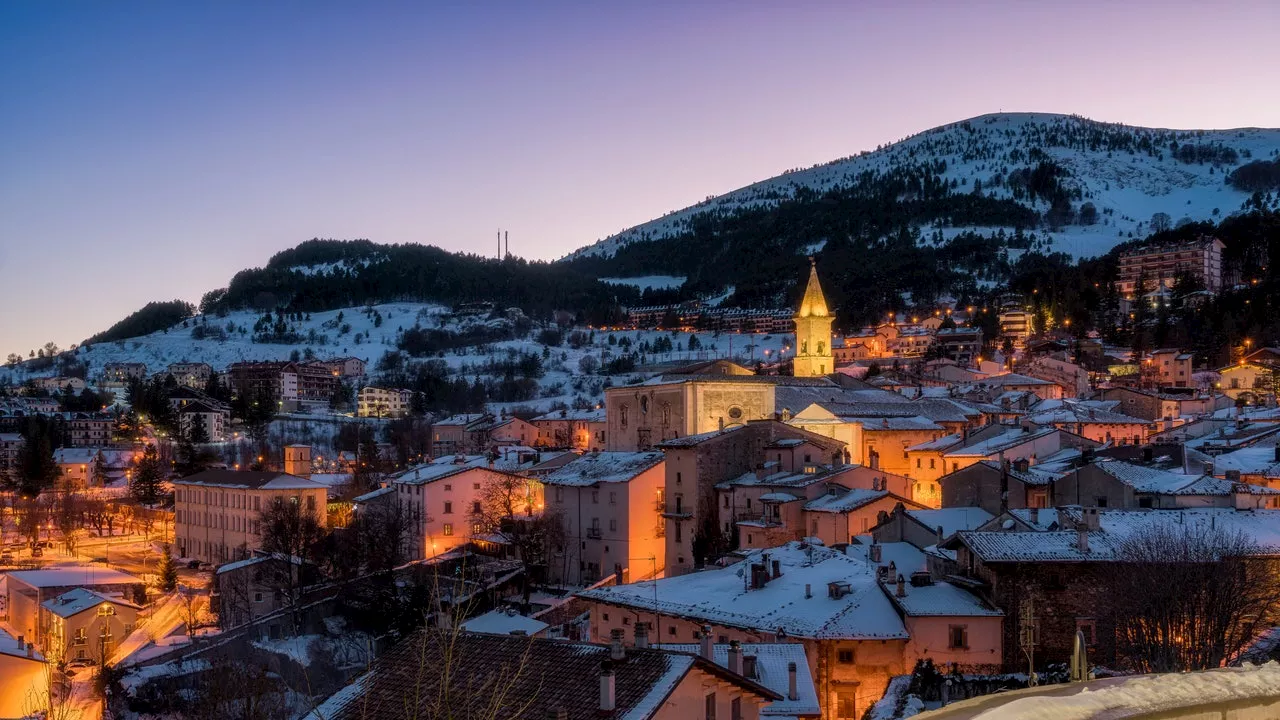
(1127, 173)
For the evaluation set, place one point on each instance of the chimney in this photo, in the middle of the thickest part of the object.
(22, 641)
(1148, 454)
(749, 666)
(874, 552)
(902, 586)
(777, 566)
(706, 649)
(1082, 539)
(735, 657)
(808, 591)
(1233, 476)
(642, 635)
(31, 650)
(791, 682)
(1208, 465)
(608, 689)
(1035, 515)
(616, 651)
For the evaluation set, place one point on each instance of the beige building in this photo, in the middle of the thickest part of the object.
(577, 429)
(83, 624)
(24, 681)
(380, 402)
(1161, 265)
(216, 512)
(193, 375)
(27, 590)
(813, 331)
(1249, 382)
(611, 505)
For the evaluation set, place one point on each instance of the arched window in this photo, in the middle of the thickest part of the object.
(622, 415)
(804, 347)
(666, 413)
(822, 348)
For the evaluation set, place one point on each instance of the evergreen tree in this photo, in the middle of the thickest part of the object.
(99, 468)
(168, 571)
(147, 477)
(36, 469)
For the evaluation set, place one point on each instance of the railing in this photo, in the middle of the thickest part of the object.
(674, 510)
(593, 533)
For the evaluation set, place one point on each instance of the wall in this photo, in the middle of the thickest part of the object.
(931, 635)
(689, 699)
(23, 685)
(216, 524)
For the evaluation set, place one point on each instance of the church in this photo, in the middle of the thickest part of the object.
(813, 331)
(713, 396)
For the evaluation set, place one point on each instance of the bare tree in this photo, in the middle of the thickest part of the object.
(68, 517)
(291, 532)
(1190, 597)
(510, 508)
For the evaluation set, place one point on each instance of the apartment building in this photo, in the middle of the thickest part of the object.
(380, 402)
(83, 624)
(578, 429)
(1161, 265)
(290, 385)
(343, 367)
(192, 375)
(446, 500)
(120, 373)
(89, 429)
(216, 511)
(610, 504)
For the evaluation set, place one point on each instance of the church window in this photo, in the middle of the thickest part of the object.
(735, 412)
(622, 415)
(804, 347)
(666, 413)
(822, 348)
(644, 405)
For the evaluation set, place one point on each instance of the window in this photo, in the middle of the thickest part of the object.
(448, 508)
(475, 486)
(311, 503)
(595, 497)
(844, 657)
(671, 630)
(677, 478)
(1100, 501)
(622, 415)
(613, 524)
(106, 609)
(679, 532)
(475, 507)
(958, 637)
(735, 709)
(931, 465)
(80, 638)
(257, 597)
(711, 706)
(448, 529)
(917, 463)
(448, 487)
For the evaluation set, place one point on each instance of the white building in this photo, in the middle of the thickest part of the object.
(383, 402)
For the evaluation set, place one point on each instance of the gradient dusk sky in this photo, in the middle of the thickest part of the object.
(149, 150)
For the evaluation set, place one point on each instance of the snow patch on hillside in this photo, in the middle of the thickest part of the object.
(1126, 188)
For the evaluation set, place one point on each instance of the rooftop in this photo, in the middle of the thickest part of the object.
(771, 671)
(250, 479)
(78, 600)
(73, 576)
(604, 467)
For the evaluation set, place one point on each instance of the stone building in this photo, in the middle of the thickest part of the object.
(813, 356)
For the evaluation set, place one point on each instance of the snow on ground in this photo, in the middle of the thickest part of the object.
(1127, 189)
(1251, 691)
(297, 648)
(648, 282)
(561, 364)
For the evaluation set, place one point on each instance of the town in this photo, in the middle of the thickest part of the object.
(911, 513)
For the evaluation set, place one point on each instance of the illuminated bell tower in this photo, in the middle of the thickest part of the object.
(813, 331)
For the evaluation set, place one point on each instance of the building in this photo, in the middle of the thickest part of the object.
(89, 429)
(216, 511)
(248, 589)
(610, 505)
(960, 344)
(813, 331)
(474, 433)
(83, 624)
(28, 590)
(214, 419)
(449, 502)
(838, 606)
(1161, 265)
(59, 384)
(191, 374)
(1091, 421)
(1016, 325)
(1249, 383)
(10, 446)
(120, 373)
(76, 466)
(379, 402)
(553, 679)
(24, 680)
(577, 429)
(289, 385)
(344, 367)
(1170, 368)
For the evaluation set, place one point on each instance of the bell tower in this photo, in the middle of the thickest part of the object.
(813, 331)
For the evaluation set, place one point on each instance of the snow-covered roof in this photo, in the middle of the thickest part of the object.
(1033, 475)
(941, 443)
(373, 494)
(442, 468)
(772, 660)
(785, 478)
(74, 455)
(845, 502)
(904, 557)
(9, 646)
(331, 479)
(499, 622)
(1010, 438)
(604, 467)
(698, 439)
(78, 600)
(256, 559)
(778, 497)
(724, 597)
(1008, 379)
(951, 520)
(937, 599)
(268, 480)
(592, 415)
(73, 576)
(1253, 460)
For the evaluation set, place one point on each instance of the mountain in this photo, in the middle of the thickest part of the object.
(959, 205)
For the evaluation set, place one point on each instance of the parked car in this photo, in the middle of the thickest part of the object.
(81, 662)
(99, 560)
(37, 551)
(6, 559)
(193, 564)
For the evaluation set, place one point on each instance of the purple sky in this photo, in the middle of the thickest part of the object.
(149, 151)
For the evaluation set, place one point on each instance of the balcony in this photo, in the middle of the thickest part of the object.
(761, 520)
(672, 510)
(593, 533)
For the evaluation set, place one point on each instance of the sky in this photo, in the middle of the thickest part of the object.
(150, 150)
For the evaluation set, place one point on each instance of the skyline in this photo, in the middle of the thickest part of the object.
(152, 152)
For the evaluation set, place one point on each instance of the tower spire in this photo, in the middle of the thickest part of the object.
(814, 303)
